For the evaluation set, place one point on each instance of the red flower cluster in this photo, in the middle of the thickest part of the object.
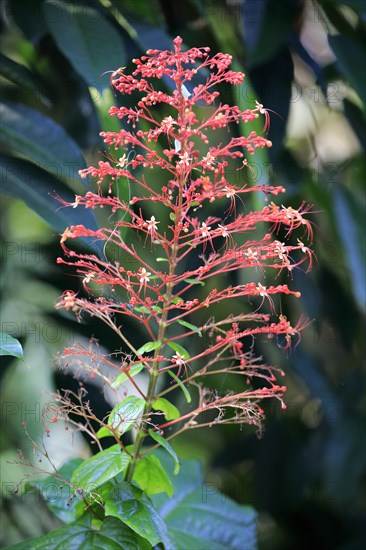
(171, 143)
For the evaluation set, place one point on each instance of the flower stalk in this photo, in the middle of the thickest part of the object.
(178, 237)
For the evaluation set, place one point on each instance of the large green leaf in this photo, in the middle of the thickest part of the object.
(267, 27)
(350, 57)
(87, 39)
(357, 119)
(199, 516)
(351, 224)
(41, 140)
(98, 469)
(38, 189)
(113, 535)
(259, 161)
(20, 75)
(129, 504)
(59, 496)
(151, 476)
(29, 18)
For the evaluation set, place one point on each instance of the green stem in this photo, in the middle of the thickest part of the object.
(153, 377)
(154, 372)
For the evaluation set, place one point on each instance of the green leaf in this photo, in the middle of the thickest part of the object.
(91, 44)
(144, 309)
(267, 33)
(126, 413)
(194, 282)
(350, 216)
(59, 497)
(37, 188)
(98, 469)
(259, 161)
(349, 61)
(166, 445)
(10, 346)
(141, 309)
(199, 516)
(113, 535)
(170, 411)
(129, 504)
(151, 476)
(181, 385)
(104, 432)
(191, 327)
(149, 346)
(41, 140)
(122, 377)
(20, 75)
(162, 260)
(28, 17)
(180, 349)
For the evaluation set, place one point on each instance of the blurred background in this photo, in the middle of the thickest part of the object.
(306, 62)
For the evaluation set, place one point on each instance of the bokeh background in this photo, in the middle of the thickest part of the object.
(306, 62)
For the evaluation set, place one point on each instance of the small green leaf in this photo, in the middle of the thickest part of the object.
(194, 282)
(180, 349)
(177, 300)
(125, 414)
(141, 309)
(149, 346)
(151, 476)
(166, 445)
(191, 327)
(104, 432)
(129, 504)
(170, 411)
(98, 469)
(122, 377)
(162, 260)
(10, 346)
(181, 385)
(144, 309)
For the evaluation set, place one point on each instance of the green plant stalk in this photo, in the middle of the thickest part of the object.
(153, 377)
(154, 372)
